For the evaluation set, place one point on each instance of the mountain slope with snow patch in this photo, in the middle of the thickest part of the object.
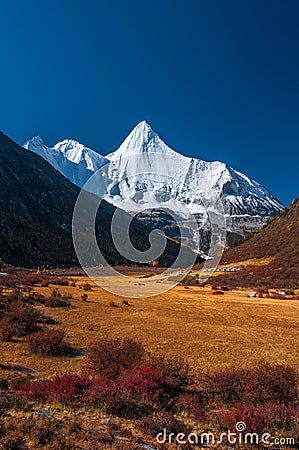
(144, 173)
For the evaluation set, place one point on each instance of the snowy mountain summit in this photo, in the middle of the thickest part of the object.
(142, 139)
(72, 159)
(144, 173)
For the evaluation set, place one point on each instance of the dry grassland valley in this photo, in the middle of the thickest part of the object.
(210, 361)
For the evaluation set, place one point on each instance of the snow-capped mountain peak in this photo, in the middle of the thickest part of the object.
(142, 139)
(38, 140)
(159, 177)
(76, 152)
(71, 158)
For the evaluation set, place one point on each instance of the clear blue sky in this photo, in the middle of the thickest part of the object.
(217, 80)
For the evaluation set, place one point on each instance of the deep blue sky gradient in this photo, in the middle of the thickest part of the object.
(218, 80)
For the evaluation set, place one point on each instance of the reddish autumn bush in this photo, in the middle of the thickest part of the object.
(31, 280)
(217, 292)
(86, 287)
(7, 329)
(56, 302)
(67, 389)
(19, 319)
(145, 382)
(112, 397)
(59, 281)
(48, 343)
(188, 280)
(260, 418)
(260, 384)
(128, 397)
(38, 390)
(9, 281)
(112, 357)
(25, 278)
(175, 372)
(192, 404)
(108, 395)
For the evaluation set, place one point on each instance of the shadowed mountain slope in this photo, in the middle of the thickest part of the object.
(36, 207)
(279, 242)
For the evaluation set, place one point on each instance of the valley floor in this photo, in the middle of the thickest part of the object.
(210, 332)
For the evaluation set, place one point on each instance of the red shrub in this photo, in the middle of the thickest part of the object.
(174, 371)
(110, 396)
(119, 397)
(59, 281)
(31, 280)
(86, 287)
(112, 357)
(56, 302)
(22, 318)
(145, 382)
(192, 404)
(69, 388)
(48, 343)
(260, 384)
(9, 281)
(125, 397)
(259, 418)
(217, 292)
(38, 390)
(7, 329)
(104, 393)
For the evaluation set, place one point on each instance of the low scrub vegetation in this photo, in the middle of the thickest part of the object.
(158, 393)
(157, 422)
(188, 280)
(112, 357)
(276, 274)
(279, 240)
(48, 343)
(139, 392)
(260, 384)
(17, 278)
(18, 319)
(260, 417)
(175, 371)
